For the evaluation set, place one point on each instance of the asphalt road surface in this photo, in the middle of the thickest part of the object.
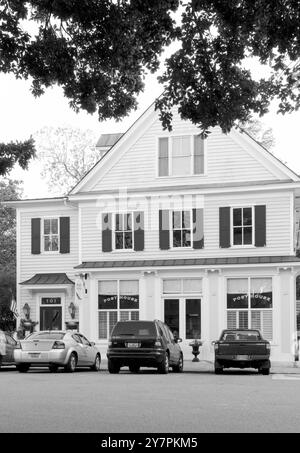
(191, 402)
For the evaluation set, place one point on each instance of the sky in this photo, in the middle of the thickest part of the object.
(21, 115)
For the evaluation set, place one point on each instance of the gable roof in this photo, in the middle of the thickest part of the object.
(146, 119)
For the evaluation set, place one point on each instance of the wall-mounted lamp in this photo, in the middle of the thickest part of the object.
(26, 311)
(72, 310)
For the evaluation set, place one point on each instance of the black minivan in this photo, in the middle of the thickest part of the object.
(144, 344)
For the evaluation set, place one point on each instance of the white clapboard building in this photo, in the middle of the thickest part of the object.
(201, 234)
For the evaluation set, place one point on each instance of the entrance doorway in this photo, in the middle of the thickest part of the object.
(50, 318)
(183, 316)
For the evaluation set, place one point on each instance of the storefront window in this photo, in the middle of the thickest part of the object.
(249, 304)
(118, 300)
(193, 318)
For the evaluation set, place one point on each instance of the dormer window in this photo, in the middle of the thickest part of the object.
(181, 155)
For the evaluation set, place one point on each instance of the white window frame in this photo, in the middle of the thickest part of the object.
(252, 226)
(123, 213)
(171, 228)
(43, 235)
(170, 157)
(118, 309)
(249, 310)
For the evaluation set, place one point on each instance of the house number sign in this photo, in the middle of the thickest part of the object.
(51, 300)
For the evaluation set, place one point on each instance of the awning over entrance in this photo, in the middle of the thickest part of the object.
(249, 260)
(48, 279)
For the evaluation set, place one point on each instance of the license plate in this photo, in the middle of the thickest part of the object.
(133, 345)
(34, 355)
(242, 357)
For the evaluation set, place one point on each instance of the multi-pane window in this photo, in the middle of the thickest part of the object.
(51, 235)
(249, 304)
(242, 226)
(181, 230)
(118, 300)
(123, 231)
(181, 155)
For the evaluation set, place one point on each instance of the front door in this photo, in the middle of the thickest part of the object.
(183, 316)
(50, 318)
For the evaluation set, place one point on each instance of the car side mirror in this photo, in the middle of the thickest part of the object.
(178, 340)
(213, 343)
(92, 343)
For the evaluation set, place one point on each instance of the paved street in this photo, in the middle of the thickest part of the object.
(190, 402)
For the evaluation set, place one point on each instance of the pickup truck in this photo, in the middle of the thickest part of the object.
(242, 348)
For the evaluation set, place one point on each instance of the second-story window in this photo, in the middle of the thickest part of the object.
(242, 226)
(123, 231)
(51, 235)
(181, 230)
(181, 155)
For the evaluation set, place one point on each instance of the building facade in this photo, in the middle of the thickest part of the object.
(200, 233)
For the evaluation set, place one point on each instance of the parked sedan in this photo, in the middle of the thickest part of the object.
(56, 349)
(7, 346)
(242, 348)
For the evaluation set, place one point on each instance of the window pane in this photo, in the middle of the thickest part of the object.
(181, 166)
(129, 287)
(163, 157)
(267, 327)
(129, 301)
(237, 236)
(247, 235)
(128, 240)
(113, 319)
(243, 319)
(134, 315)
(181, 155)
(54, 226)
(119, 222)
(107, 287)
(237, 293)
(107, 298)
(46, 226)
(198, 155)
(177, 238)
(261, 292)
(177, 219)
(119, 241)
(256, 320)
(102, 318)
(124, 315)
(247, 216)
(128, 222)
(47, 243)
(172, 286)
(192, 285)
(237, 217)
(54, 243)
(186, 219)
(231, 320)
(172, 314)
(186, 238)
(193, 318)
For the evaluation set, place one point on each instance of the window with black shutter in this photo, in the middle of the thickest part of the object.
(36, 236)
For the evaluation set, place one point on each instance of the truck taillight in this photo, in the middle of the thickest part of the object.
(58, 345)
(216, 346)
(109, 343)
(157, 343)
(268, 347)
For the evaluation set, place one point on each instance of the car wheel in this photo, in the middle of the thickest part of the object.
(0, 361)
(72, 362)
(53, 368)
(265, 371)
(179, 367)
(134, 368)
(163, 367)
(96, 366)
(23, 367)
(113, 367)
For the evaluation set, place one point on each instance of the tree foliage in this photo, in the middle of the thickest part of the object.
(65, 154)
(15, 152)
(9, 190)
(99, 51)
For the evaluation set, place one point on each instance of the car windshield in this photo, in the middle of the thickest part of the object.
(238, 335)
(133, 328)
(46, 336)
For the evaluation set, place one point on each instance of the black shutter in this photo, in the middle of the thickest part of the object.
(164, 232)
(139, 233)
(35, 236)
(224, 227)
(64, 233)
(260, 226)
(106, 232)
(198, 229)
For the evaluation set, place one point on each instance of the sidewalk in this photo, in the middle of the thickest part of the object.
(208, 367)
